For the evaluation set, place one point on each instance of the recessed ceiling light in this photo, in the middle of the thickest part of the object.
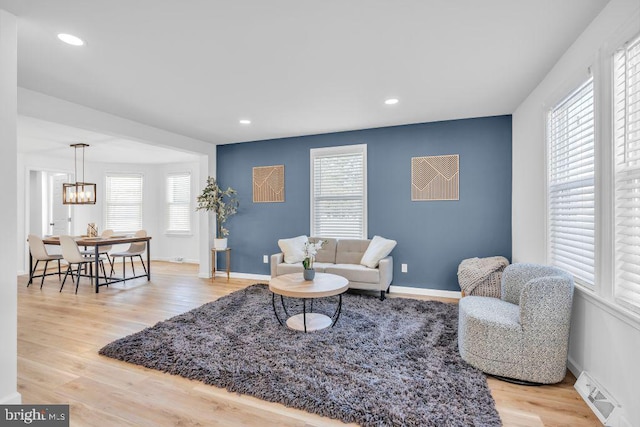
(245, 122)
(391, 101)
(70, 39)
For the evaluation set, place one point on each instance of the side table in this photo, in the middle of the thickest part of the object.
(214, 259)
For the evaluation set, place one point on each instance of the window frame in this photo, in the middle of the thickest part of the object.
(576, 89)
(107, 204)
(314, 153)
(168, 204)
(601, 68)
(621, 295)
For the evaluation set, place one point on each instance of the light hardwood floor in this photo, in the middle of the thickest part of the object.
(59, 335)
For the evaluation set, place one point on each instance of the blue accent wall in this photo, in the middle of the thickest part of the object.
(433, 237)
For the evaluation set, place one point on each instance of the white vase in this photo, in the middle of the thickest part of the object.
(220, 244)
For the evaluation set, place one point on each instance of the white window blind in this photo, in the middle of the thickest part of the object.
(571, 225)
(626, 119)
(339, 192)
(123, 203)
(179, 203)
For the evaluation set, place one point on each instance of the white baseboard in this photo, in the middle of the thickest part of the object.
(424, 291)
(173, 259)
(264, 278)
(573, 367)
(261, 277)
(11, 399)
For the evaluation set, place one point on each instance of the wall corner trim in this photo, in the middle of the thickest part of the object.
(11, 399)
(573, 366)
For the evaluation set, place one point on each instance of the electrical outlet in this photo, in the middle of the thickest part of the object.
(404, 268)
(265, 259)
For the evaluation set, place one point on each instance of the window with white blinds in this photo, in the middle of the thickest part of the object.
(123, 203)
(339, 192)
(626, 118)
(179, 203)
(571, 185)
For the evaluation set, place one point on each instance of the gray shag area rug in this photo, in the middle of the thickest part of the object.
(392, 362)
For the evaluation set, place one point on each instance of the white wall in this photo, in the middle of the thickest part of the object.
(604, 339)
(163, 246)
(35, 203)
(8, 213)
(206, 220)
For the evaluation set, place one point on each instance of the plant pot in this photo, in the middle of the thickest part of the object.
(308, 274)
(220, 244)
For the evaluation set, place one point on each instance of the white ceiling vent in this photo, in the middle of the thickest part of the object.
(599, 400)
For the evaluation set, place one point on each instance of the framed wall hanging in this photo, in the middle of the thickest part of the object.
(435, 177)
(268, 184)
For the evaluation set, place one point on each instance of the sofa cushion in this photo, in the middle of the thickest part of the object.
(350, 251)
(289, 268)
(321, 267)
(283, 268)
(328, 252)
(355, 272)
(377, 249)
(293, 249)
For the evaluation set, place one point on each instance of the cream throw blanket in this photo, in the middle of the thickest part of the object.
(476, 271)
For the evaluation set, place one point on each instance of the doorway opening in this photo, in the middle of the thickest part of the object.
(47, 214)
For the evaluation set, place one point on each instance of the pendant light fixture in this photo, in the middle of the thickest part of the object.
(79, 192)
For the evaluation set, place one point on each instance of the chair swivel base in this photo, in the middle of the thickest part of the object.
(516, 381)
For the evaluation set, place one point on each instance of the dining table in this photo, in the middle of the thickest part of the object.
(96, 242)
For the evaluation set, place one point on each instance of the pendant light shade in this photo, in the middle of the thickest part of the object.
(79, 192)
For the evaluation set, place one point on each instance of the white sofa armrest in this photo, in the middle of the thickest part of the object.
(275, 260)
(386, 272)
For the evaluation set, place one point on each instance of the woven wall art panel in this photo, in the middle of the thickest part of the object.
(268, 184)
(435, 177)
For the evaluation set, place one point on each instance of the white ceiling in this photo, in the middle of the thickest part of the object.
(293, 67)
(53, 140)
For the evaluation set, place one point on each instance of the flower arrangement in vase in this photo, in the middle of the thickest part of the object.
(310, 250)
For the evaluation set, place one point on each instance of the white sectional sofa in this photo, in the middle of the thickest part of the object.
(343, 257)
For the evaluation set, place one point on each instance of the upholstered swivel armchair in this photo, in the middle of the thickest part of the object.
(524, 335)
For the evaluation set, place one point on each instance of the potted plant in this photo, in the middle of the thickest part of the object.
(310, 250)
(223, 203)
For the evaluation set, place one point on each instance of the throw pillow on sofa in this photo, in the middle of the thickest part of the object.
(378, 248)
(293, 249)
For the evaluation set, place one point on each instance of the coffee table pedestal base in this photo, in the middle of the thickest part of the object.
(315, 322)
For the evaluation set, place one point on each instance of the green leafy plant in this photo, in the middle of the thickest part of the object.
(223, 203)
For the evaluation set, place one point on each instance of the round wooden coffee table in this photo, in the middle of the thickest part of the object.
(294, 286)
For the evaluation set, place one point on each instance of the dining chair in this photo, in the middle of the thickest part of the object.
(72, 255)
(136, 249)
(102, 250)
(39, 253)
